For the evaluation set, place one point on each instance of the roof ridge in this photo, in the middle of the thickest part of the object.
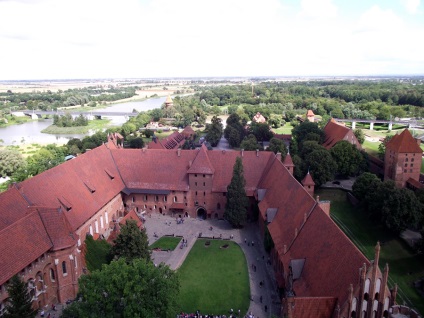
(302, 225)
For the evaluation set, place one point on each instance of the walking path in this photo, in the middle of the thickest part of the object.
(256, 257)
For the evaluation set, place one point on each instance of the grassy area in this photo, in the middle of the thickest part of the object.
(371, 147)
(92, 125)
(166, 243)
(405, 266)
(25, 149)
(286, 129)
(214, 279)
(13, 120)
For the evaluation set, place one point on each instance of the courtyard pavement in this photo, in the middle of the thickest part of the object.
(255, 254)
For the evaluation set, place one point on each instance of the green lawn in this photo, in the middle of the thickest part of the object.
(92, 125)
(166, 243)
(214, 279)
(286, 129)
(371, 147)
(405, 267)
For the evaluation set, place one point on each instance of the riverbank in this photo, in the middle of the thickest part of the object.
(97, 124)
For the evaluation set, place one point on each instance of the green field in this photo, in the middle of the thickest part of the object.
(166, 243)
(405, 266)
(286, 129)
(214, 279)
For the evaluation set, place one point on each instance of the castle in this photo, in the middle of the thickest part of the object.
(44, 221)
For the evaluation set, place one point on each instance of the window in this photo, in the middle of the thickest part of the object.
(412, 164)
(154, 207)
(52, 275)
(64, 268)
(165, 198)
(195, 184)
(195, 175)
(133, 199)
(224, 194)
(204, 176)
(196, 192)
(204, 193)
(76, 265)
(106, 218)
(406, 165)
(145, 197)
(101, 222)
(156, 198)
(412, 159)
(96, 226)
(405, 171)
(175, 199)
(218, 206)
(406, 159)
(91, 230)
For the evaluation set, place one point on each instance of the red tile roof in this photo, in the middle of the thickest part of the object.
(64, 185)
(316, 307)
(201, 163)
(404, 143)
(288, 195)
(334, 132)
(308, 180)
(58, 228)
(188, 132)
(22, 243)
(329, 252)
(13, 207)
(288, 162)
(132, 216)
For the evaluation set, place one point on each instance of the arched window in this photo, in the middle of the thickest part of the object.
(65, 272)
(52, 275)
(175, 199)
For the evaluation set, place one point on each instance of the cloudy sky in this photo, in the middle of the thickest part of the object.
(57, 39)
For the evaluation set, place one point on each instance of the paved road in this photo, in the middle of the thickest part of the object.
(255, 255)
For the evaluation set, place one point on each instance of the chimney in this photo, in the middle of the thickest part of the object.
(257, 152)
(179, 152)
(242, 152)
(278, 156)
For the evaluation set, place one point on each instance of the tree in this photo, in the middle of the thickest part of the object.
(236, 207)
(10, 161)
(233, 136)
(214, 131)
(348, 158)
(365, 184)
(277, 145)
(121, 289)
(322, 166)
(359, 134)
(136, 142)
(301, 131)
(261, 131)
(249, 143)
(131, 243)
(19, 305)
(382, 146)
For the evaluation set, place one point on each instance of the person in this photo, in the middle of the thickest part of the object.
(42, 313)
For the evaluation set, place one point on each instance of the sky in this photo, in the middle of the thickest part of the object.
(67, 39)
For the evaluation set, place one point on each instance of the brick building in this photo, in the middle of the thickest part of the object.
(335, 132)
(402, 160)
(44, 221)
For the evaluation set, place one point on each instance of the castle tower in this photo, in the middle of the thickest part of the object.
(288, 163)
(309, 184)
(168, 102)
(402, 160)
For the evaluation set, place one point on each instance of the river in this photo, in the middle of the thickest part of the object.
(30, 132)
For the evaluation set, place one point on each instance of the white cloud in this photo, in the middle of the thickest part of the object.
(411, 6)
(132, 38)
(318, 8)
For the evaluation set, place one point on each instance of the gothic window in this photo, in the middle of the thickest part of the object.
(175, 199)
(52, 275)
(156, 198)
(406, 165)
(133, 199)
(195, 175)
(145, 197)
(64, 270)
(406, 159)
(412, 159)
(165, 198)
(204, 176)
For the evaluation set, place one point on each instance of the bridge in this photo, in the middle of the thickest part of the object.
(98, 113)
(409, 123)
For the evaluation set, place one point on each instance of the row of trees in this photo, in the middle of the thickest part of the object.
(68, 121)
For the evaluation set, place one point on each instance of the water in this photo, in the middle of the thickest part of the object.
(30, 132)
